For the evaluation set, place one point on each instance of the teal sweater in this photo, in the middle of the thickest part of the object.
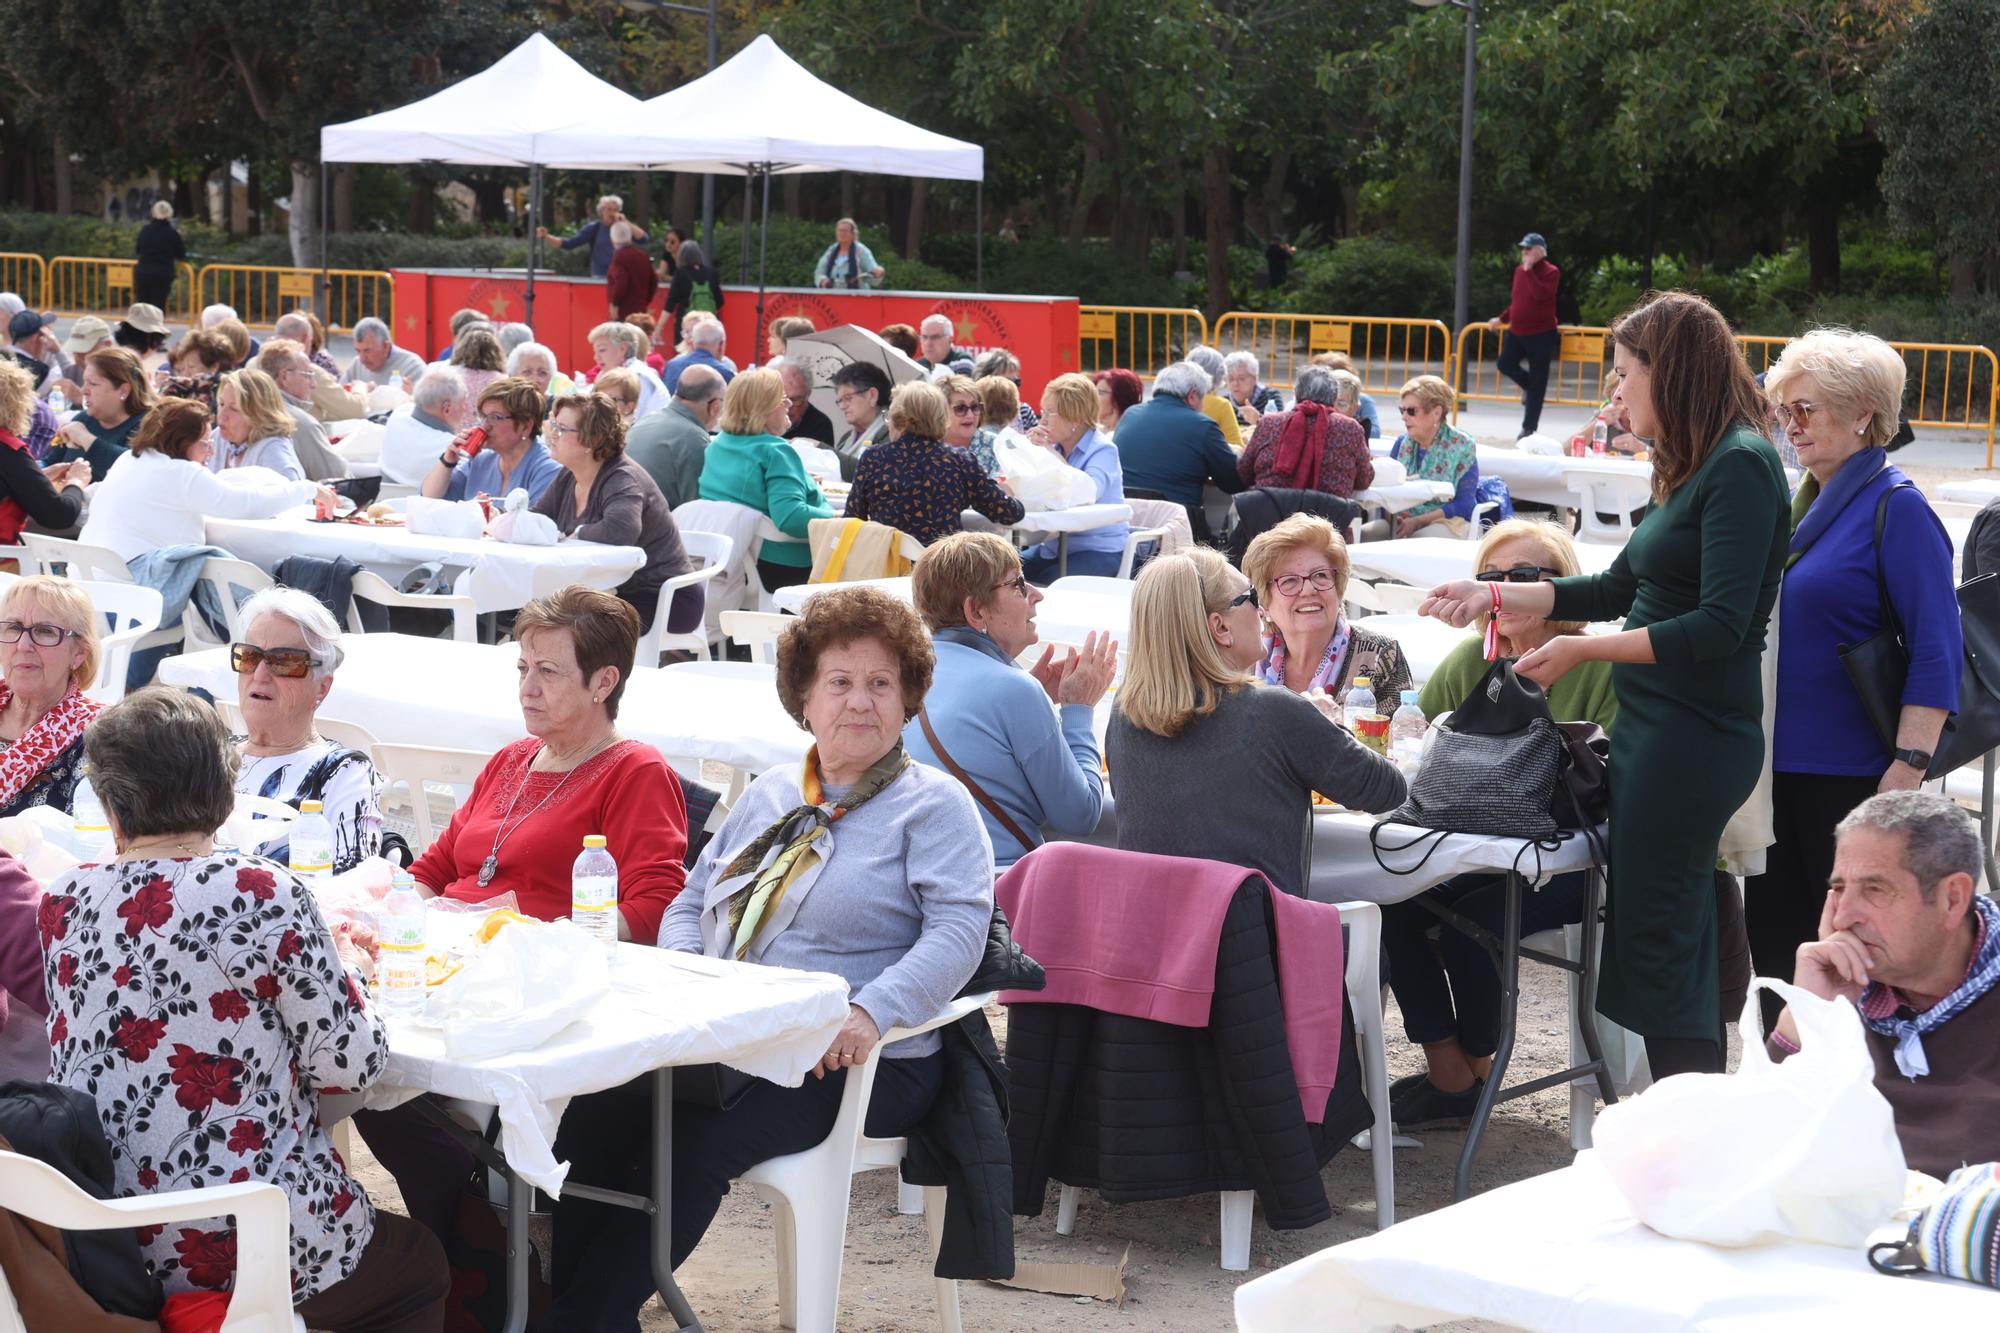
(765, 473)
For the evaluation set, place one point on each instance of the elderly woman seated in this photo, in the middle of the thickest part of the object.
(1250, 398)
(750, 463)
(200, 998)
(253, 427)
(856, 861)
(1069, 411)
(536, 364)
(1204, 761)
(531, 808)
(284, 667)
(1431, 449)
(1300, 570)
(1312, 447)
(616, 343)
(992, 728)
(49, 652)
(918, 483)
(603, 496)
(1450, 993)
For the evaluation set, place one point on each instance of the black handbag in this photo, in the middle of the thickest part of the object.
(1879, 666)
(1584, 795)
(1493, 765)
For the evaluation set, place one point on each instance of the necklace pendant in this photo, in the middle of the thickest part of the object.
(488, 869)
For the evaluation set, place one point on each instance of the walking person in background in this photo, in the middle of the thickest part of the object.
(158, 247)
(1530, 319)
(597, 234)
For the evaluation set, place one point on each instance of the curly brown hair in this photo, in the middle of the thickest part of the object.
(206, 345)
(848, 615)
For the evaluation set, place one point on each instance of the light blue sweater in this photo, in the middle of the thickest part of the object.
(996, 721)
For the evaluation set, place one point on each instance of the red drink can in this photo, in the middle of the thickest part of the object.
(475, 440)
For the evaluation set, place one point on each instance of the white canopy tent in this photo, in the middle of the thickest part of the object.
(762, 114)
(501, 117)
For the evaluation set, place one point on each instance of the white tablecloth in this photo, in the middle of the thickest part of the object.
(1405, 495)
(1065, 614)
(1538, 477)
(504, 576)
(1561, 1252)
(664, 1008)
(1970, 492)
(1424, 562)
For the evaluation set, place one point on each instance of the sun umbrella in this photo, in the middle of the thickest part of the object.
(825, 351)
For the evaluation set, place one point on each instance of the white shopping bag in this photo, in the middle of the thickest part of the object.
(523, 526)
(1039, 477)
(520, 988)
(444, 518)
(1389, 472)
(1804, 1150)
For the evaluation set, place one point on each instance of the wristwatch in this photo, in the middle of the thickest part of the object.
(1917, 759)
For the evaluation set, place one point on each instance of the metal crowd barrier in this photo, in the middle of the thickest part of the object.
(89, 286)
(27, 276)
(1136, 337)
(1576, 375)
(259, 293)
(1386, 352)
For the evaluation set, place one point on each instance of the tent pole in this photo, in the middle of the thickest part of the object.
(534, 220)
(763, 249)
(325, 302)
(743, 258)
(979, 237)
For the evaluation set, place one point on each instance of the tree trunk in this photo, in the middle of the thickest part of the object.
(687, 202)
(183, 198)
(1823, 243)
(253, 218)
(1964, 276)
(305, 214)
(1179, 223)
(1086, 195)
(791, 185)
(59, 158)
(1275, 174)
(343, 198)
(847, 194)
(1216, 205)
(641, 211)
(423, 206)
(489, 199)
(1350, 208)
(913, 234)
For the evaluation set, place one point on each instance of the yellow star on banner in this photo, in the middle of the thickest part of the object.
(964, 326)
(498, 305)
(409, 323)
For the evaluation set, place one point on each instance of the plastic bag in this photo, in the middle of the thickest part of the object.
(1804, 1150)
(520, 988)
(1039, 477)
(445, 518)
(27, 838)
(1542, 445)
(1389, 472)
(523, 526)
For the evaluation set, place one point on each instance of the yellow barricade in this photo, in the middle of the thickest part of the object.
(1136, 337)
(260, 293)
(90, 286)
(1386, 352)
(1576, 376)
(27, 276)
(1953, 387)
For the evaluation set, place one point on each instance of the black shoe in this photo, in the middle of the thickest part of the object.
(1407, 1084)
(1428, 1105)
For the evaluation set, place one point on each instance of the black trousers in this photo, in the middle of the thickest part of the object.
(603, 1272)
(151, 287)
(1782, 906)
(399, 1285)
(429, 1166)
(1524, 359)
(777, 576)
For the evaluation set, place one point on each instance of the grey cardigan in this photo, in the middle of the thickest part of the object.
(625, 508)
(900, 908)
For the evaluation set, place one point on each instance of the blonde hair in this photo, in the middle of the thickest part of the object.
(257, 398)
(1857, 372)
(1073, 398)
(618, 382)
(919, 409)
(617, 330)
(1429, 391)
(999, 400)
(749, 401)
(1175, 672)
(788, 327)
(963, 565)
(68, 604)
(1559, 550)
(17, 397)
(1269, 547)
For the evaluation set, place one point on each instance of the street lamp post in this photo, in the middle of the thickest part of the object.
(1462, 281)
(706, 11)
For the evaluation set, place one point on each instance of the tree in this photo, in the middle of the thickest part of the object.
(1939, 103)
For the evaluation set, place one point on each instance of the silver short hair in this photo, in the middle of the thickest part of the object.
(513, 335)
(316, 624)
(999, 361)
(1347, 385)
(700, 385)
(690, 255)
(1940, 837)
(621, 232)
(935, 324)
(1316, 384)
(440, 387)
(1181, 379)
(709, 333)
(295, 326)
(786, 367)
(1241, 361)
(11, 305)
(1209, 360)
(371, 327)
(611, 199)
(215, 314)
(526, 350)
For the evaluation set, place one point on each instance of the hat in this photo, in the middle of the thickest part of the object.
(146, 318)
(26, 324)
(1534, 238)
(85, 334)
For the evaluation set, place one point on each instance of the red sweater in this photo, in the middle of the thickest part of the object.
(1532, 307)
(626, 793)
(631, 282)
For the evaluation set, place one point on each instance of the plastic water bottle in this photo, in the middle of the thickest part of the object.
(1406, 735)
(58, 400)
(312, 844)
(90, 829)
(593, 893)
(1600, 436)
(1360, 703)
(401, 934)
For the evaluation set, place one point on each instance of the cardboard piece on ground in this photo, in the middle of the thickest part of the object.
(1102, 1282)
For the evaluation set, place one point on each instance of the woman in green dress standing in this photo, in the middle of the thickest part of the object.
(1695, 584)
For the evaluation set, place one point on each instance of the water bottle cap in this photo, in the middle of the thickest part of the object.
(1409, 696)
(309, 807)
(1361, 682)
(595, 841)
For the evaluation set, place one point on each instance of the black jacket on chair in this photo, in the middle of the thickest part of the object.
(1138, 1109)
(1264, 507)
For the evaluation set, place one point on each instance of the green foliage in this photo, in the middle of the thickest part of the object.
(1939, 98)
(1373, 276)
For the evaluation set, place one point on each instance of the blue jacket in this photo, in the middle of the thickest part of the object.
(670, 374)
(598, 237)
(1166, 446)
(480, 475)
(996, 721)
(1097, 458)
(1829, 598)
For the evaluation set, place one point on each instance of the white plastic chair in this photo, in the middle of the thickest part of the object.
(94, 564)
(1134, 539)
(1606, 490)
(414, 766)
(350, 734)
(1163, 514)
(261, 1301)
(808, 1193)
(756, 630)
(1093, 583)
(134, 613)
(224, 577)
(712, 549)
(371, 587)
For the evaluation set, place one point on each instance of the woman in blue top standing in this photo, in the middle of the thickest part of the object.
(1837, 395)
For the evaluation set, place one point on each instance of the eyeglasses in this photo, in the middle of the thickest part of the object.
(1247, 595)
(1518, 574)
(561, 432)
(1795, 414)
(799, 398)
(965, 409)
(1291, 585)
(492, 421)
(42, 635)
(244, 658)
(1019, 583)
(841, 400)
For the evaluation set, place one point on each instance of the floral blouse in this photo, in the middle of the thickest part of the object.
(343, 781)
(1453, 457)
(56, 787)
(201, 1003)
(922, 487)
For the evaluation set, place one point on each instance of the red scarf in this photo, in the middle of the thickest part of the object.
(1302, 443)
(12, 517)
(23, 763)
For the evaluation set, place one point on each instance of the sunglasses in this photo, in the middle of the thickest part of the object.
(1795, 414)
(1411, 411)
(42, 635)
(1518, 574)
(1247, 595)
(965, 409)
(1019, 583)
(289, 663)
